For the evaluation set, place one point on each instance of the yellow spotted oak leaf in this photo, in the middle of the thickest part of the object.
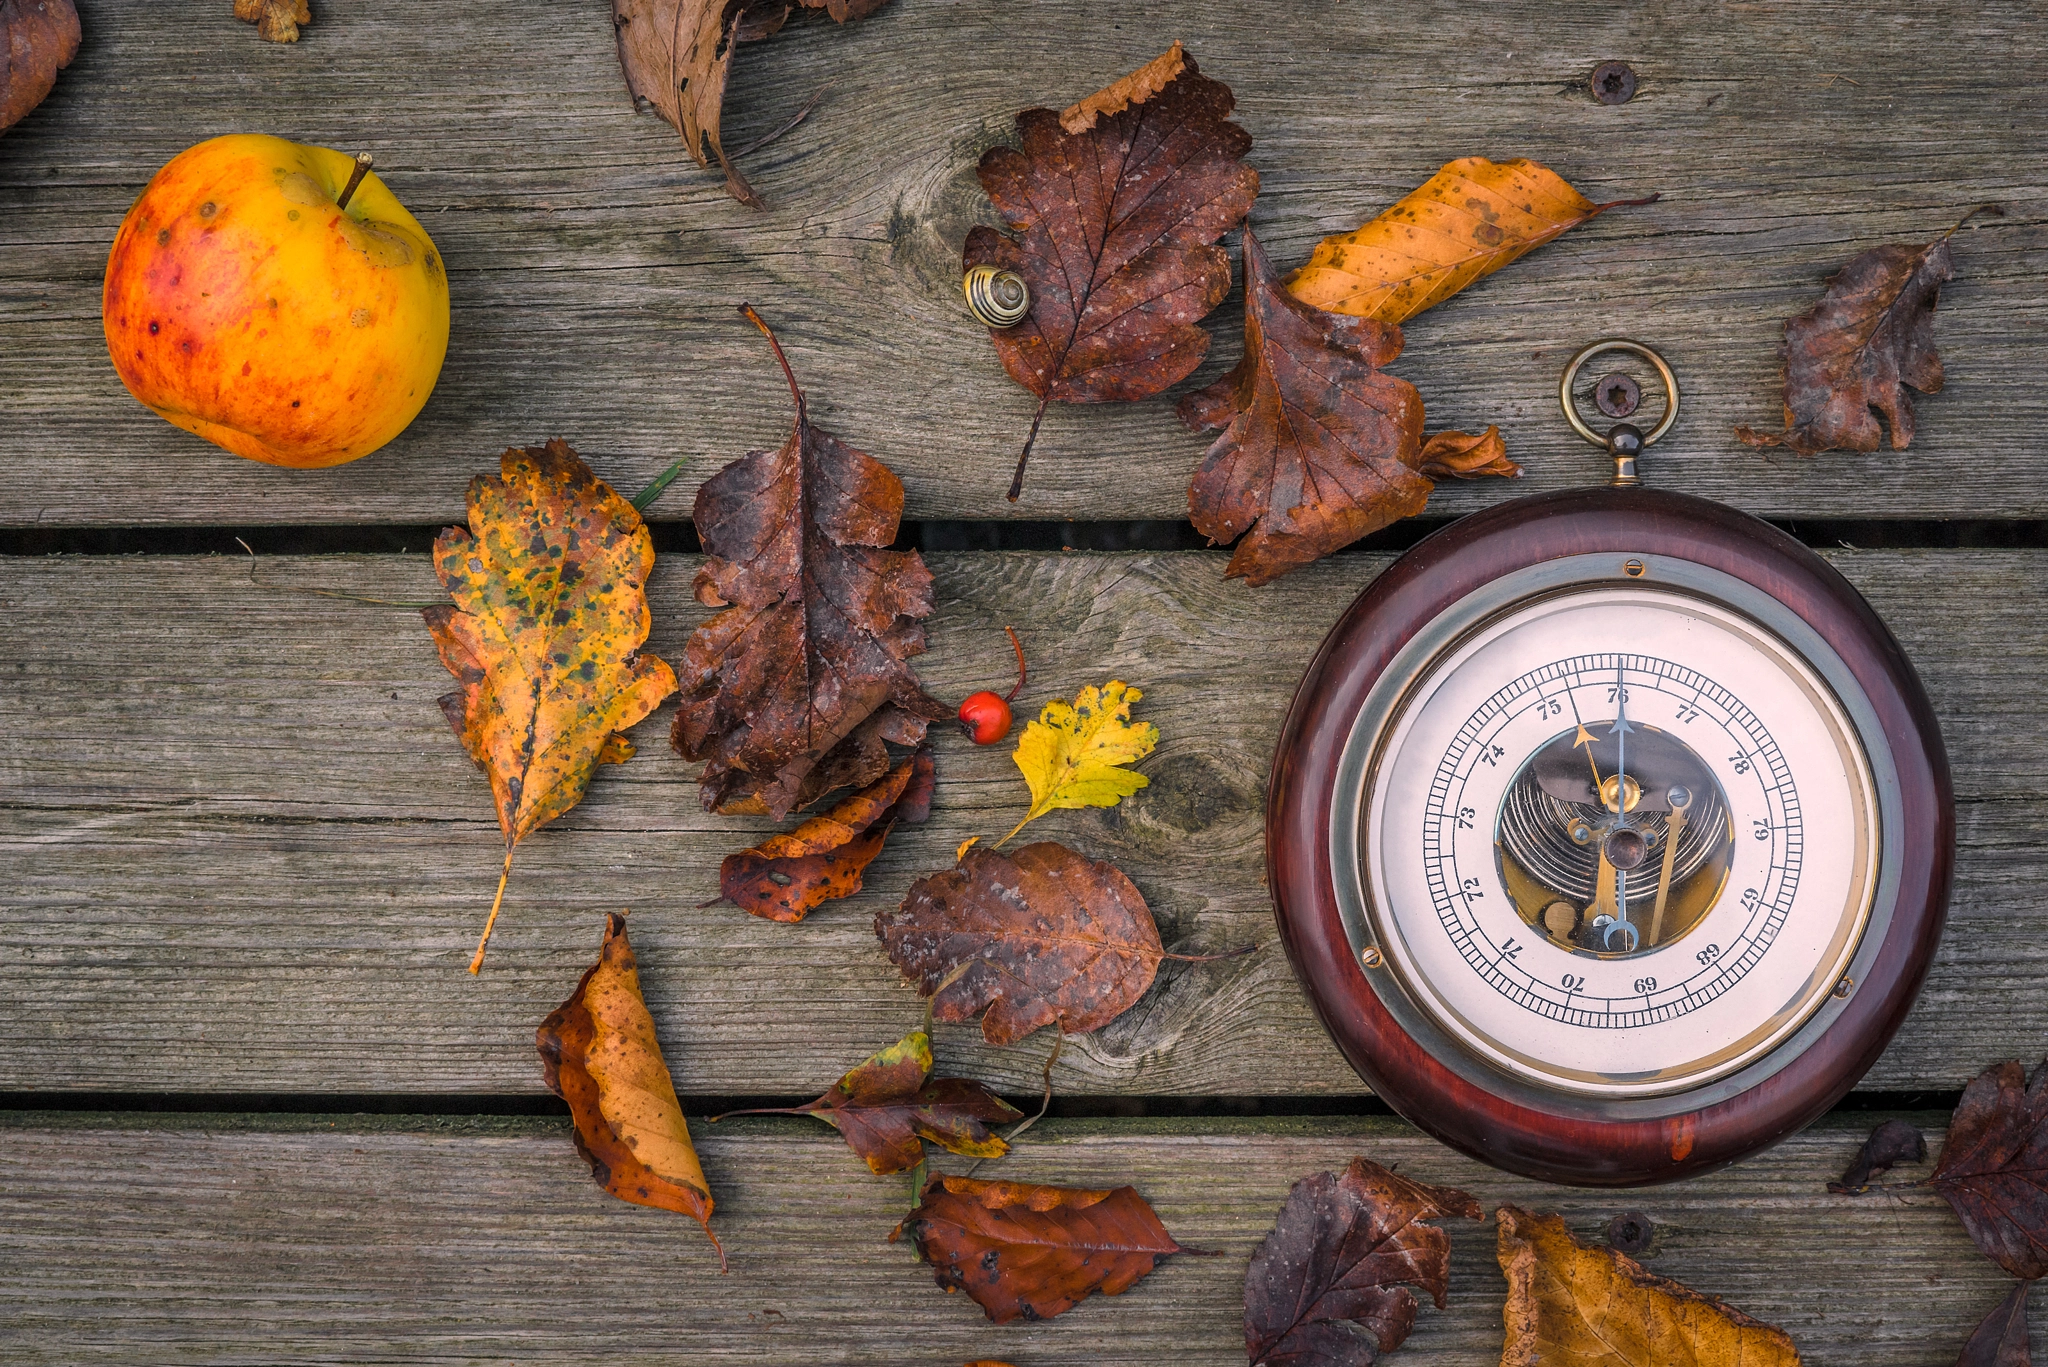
(1573, 1305)
(599, 1053)
(1467, 221)
(1075, 754)
(549, 581)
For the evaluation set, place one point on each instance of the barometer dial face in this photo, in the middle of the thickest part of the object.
(1619, 841)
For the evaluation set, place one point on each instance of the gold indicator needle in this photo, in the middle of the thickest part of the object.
(1585, 738)
(1680, 799)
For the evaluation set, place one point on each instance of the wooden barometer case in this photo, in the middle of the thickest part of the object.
(1610, 831)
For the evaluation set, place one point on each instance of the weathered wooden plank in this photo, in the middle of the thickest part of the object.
(235, 1239)
(239, 850)
(595, 269)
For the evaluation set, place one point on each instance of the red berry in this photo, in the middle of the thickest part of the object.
(985, 717)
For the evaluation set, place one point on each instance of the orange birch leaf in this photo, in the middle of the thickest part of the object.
(1465, 222)
(549, 582)
(599, 1053)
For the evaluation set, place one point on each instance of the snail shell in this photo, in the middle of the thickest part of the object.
(999, 298)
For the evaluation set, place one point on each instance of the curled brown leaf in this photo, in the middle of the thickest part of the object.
(1460, 455)
(785, 876)
(599, 1053)
(276, 21)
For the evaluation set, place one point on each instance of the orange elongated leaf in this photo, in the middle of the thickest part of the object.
(38, 38)
(599, 1054)
(1023, 1250)
(890, 1104)
(1116, 207)
(785, 876)
(678, 55)
(1465, 222)
(1329, 1286)
(549, 582)
(1572, 1305)
(1038, 937)
(1853, 355)
(792, 691)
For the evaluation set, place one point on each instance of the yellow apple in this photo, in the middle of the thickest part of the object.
(244, 304)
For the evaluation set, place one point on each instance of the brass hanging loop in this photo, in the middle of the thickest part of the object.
(1624, 441)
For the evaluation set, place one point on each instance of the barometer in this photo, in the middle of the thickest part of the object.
(1610, 830)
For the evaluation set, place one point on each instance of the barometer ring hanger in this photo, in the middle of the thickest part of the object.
(1633, 348)
(1349, 801)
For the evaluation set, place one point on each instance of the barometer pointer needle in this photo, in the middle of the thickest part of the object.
(1620, 730)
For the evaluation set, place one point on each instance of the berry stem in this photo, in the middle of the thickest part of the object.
(1011, 696)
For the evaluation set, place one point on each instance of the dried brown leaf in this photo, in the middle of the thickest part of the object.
(276, 21)
(677, 55)
(2001, 1340)
(38, 38)
(1460, 455)
(1329, 1286)
(785, 876)
(599, 1053)
(1319, 444)
(890, 1103)
(1893, 1141)
(1116, 230)
(1029, 1251)
(794, 688)
(1853, 355)
(1994, 1166)
(1039, 937)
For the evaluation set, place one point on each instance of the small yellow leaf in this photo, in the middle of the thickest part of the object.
(1468, 220)
(1074, 754)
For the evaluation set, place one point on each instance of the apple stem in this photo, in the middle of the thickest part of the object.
(355, 178)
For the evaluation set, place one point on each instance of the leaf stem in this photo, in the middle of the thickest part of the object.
(1017, 482)
(747, 310)
(758, 1110)
(1995, 210)
(1059, 1043)
(330, 593)
(476, 964)
(801, 114)
(1029, 817)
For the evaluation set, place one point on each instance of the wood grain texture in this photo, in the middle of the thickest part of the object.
(239, 850)
(231, 1239)
(595, 269)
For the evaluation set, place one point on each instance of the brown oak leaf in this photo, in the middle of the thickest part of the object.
(2001, 1340)
(1038, 937)
(792, 691)
(1994, 1167)
(1326, 1287)
(550, 587)
(1573, 1305)
(890, 1104)
(276, 20)
(1019, 1249)
(598, 1053)
(1320, 446)
(38, 38)
(785, 876)
(1464, 223)
(677, 55)
(1854, 354)
(1891, 1142)
(1117, 206)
